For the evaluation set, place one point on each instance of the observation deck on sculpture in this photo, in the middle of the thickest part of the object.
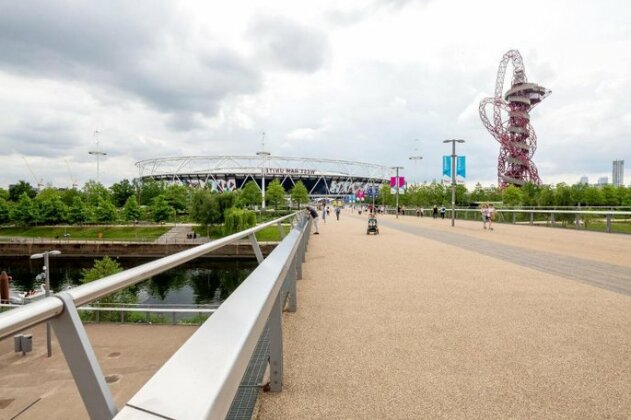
(421, 321)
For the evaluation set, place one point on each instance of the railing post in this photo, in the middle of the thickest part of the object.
(256, 248)
(276, 346)
(513, 218)
(532, 218)
(292, 301)
(281, 230)
(609, 223)
(552, 219)
(578, 221)
(82, 361)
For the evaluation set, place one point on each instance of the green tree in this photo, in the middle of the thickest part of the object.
(4, 194)
(25, 212)
(385, 195)
(68, 196)
(103, 268)
(610, 195)
(593, 196)
(121, 191)
(78, 212)
(16, 191)
(52, 209)
(462, 196)
(104, 211)
(4, 211)
(204, 207)
(149, 189)
(132, 211)
(178, 196)
(546, 196)
(299, 194)
(512, 196)
(529, 194)
(251, 194)
(95, 193)
(237, 220)
(161, 210)
(275, 194)
(478, 195)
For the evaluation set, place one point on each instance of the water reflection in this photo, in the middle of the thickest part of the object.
(201, 281)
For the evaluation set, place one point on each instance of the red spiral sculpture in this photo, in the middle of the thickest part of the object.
(516, 136)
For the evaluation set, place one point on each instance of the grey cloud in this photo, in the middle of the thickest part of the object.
(132, 47)
(288, 45)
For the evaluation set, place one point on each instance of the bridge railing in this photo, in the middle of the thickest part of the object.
(229, 338)
(550, 215)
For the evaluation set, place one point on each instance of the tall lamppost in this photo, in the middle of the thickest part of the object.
(98, 154)
(453, 178)
(264, 155)
(397, 185)
(47, 280)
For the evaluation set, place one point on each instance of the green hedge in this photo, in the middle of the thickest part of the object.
(236, 220)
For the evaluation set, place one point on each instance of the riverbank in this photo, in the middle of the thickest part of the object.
(241, 249)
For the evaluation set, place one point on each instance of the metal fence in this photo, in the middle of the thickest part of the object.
(540, 216)
(209, 366)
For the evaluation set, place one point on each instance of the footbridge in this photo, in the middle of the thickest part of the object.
(421, 321)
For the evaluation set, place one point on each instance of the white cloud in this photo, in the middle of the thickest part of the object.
(351, 80)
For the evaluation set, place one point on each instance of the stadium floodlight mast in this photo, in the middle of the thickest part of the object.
(264, 155)
(453, 178)
(45, 255)
(397, 185)
(98, 154)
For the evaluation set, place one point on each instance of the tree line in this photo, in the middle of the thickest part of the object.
(134, 201)
(149, 200)
(529, 195)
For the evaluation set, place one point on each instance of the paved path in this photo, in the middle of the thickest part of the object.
(429, 321)
(178, 234)
(42, 388)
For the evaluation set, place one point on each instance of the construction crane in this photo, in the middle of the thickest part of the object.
(39, 182)
(72, 178)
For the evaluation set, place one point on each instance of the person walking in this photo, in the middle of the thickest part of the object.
(491, 211)
(422, 210)
(435, 211)
(324, 214)
(442, 212)
(337, 212)
(484, 211)
(314, 215)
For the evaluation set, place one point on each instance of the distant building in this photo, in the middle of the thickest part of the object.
(584, 180)
(617, 177)
(603, 180)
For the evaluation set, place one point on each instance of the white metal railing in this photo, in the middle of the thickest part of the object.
(608, 214)
(255, 298)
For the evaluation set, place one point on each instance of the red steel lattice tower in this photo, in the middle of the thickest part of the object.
(516, 136)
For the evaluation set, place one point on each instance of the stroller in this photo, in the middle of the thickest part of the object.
(372, 226)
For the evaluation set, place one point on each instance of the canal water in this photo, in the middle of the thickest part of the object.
(201, 281)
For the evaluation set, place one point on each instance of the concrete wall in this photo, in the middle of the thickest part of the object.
(128, 249)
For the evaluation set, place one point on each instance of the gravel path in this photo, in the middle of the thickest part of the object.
(420, 324)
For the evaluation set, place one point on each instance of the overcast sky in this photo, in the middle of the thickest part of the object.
(356, 80)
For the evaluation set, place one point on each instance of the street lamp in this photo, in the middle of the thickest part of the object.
(47, 277)
(397, 184)
(453, 178)
(415, 159)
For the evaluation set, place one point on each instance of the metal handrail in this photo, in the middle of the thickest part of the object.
(605, 212)
(50, 307)
(209, 367)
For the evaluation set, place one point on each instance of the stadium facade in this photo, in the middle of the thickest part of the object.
(323, 177)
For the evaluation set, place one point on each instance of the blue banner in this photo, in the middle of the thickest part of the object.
(461, 168)
(447, 167)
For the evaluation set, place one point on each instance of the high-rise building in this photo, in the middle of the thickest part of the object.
(584, 180)
(617, 177)
(603, 180)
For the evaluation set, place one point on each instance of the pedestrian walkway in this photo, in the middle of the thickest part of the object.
(180, 233)
(429, 321)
